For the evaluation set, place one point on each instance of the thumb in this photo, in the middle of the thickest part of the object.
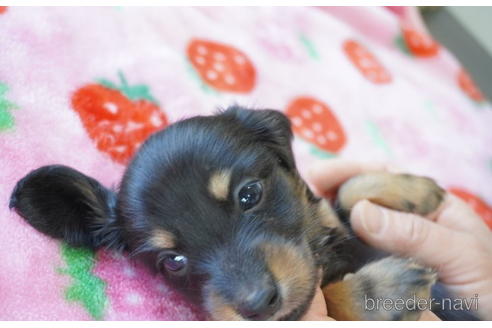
(406, 234)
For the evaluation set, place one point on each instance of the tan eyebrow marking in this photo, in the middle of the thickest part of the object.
(219, 184)
(162, 239)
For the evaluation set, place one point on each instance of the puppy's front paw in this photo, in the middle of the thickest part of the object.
(422, 195)
(403, 192)
(391, 289)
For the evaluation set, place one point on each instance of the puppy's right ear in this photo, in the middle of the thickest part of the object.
(268, 127)
(66, 204)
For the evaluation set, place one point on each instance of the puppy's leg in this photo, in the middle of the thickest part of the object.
(388, 289)
(390, 279)
(403, 192)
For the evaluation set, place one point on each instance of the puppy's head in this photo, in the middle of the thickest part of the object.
(218, 200)
(213, 203)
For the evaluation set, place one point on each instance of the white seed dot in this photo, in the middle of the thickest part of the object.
(211, 75)
(202, 50)
(307, 114)
(200, 60)
(117, 128)
(308, 133)
(132, 126)
(119, 149)
(111, 107)
(317, 127)
(229, 79)
(317, 108)
(297, 121)
(239, 59)
(156, 120)
(331, 136)
(219, 56)
(219, 67)
(133, 299)
(321, 140)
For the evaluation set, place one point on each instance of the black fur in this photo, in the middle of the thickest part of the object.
(165, 187)
(65, 204)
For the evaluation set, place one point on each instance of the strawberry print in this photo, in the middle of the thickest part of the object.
(478, 204)
(313, 121)
(85, 287)
(118, 118)
(366, 62)
(221, 66)
(419, 44)
(6, 118)
(466, 84)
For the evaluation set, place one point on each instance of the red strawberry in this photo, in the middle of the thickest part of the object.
(420, 44)
(222, 66)
(469, 87)
(313, 120)
(118, 118)
(478, 205)
(3, 9)
(366, 62)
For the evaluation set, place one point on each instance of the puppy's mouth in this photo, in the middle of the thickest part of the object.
(286, 296)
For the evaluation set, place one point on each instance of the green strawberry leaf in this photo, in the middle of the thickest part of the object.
(86, 288)
(377, 137)
(310, 47)
(3, 89)
(107, 84)
(402, 45)
(6, 117)
(315, 150)
(133, 92)
(195, 76)
(318, 152)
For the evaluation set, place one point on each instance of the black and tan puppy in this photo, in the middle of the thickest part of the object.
(217, 206)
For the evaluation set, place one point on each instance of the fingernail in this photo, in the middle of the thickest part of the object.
(371, 217)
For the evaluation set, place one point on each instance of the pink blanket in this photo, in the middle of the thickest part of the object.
(85, 86)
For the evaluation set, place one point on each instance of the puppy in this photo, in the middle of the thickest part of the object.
(216, 205)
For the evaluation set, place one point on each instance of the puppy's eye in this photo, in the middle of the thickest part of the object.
(174, 263)
(250, 195)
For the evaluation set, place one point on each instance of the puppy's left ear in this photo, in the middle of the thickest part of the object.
(269, 127)
(65, 204)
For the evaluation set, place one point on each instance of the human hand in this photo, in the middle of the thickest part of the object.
(453, 240)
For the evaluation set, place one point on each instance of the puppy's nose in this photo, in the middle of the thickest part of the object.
(260, 304)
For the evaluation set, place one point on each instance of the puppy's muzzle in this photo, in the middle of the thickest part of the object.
(261, 302)
(263, 281)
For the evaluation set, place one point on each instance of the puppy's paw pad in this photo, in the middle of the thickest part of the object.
(392, 289)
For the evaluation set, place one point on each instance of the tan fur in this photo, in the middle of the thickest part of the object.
(401, 192)
(162, 239)
(328, 217)
(220, 310)
(340, 302)
(291, 270)
(390, 278)
(218, 185)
